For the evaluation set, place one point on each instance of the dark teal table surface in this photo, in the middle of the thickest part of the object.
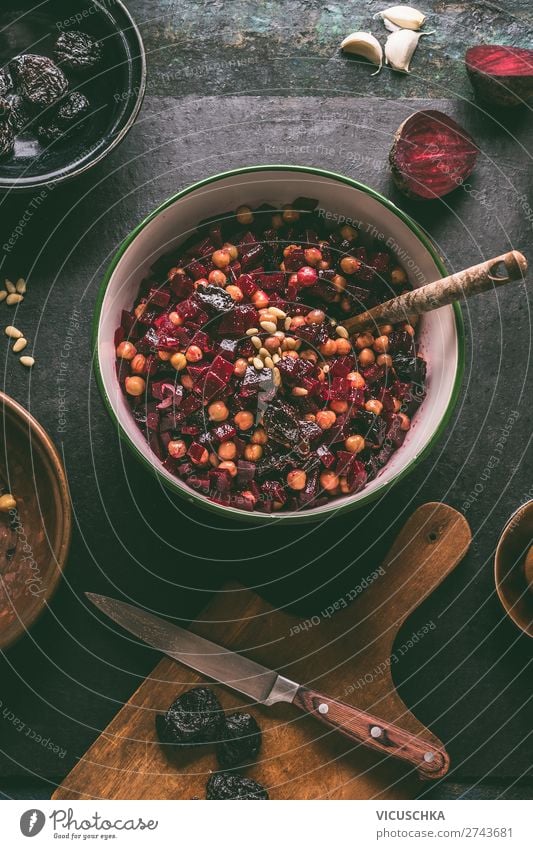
(233, 84)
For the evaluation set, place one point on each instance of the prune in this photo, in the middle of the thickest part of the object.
(38, 79)
(223, 785)
(7, 139)
(215, 298)
(77, 51)
(6, 83)
(5, 107)
(48, 133)
(19, 114)
(242, 736)
(67, 119)
(194, 717)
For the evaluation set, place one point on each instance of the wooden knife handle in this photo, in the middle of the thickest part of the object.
(431, 761)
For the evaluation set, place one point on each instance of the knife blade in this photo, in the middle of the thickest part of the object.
(267, 687)
(227, 667)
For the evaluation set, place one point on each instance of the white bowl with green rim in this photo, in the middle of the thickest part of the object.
(440, 333)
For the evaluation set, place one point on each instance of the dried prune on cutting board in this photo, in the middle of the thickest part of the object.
(240, 743)
(194, 717)
(6, 83)
(7, 138)
(38, 79)
(77, 51)
(223, 785)
(19, 114)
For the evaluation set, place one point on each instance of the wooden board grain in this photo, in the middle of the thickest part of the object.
(346, 655)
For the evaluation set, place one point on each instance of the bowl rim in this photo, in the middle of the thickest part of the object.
(30, 183)
(304, 515)
(500, 577)
(35, 431)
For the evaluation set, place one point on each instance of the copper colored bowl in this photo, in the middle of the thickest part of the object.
(34, 539)
(511, 585)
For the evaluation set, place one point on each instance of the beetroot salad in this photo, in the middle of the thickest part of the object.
(239, 374)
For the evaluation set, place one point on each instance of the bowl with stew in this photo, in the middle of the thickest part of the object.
(221, 354)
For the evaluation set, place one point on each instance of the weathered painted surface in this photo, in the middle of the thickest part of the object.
(291, 47)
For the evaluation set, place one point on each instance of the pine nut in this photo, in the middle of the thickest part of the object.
(252, 331)
(256, 342)
(276, 358)
(277, 312)
(11, 300)
(279, 334)
(20, 344)
(269, 362)
(20, 286)
(288, 323)
(325, 368)
(28, 362)
(290, 343)
(342, 332)
(263, 352)
(13, 332)
(269, 326)
(299, 392)
(258, 363)
(10, 287)
(276, 376)
(3, 294)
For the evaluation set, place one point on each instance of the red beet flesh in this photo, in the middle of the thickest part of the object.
(431, 155)
(500, 75)
(236, 433)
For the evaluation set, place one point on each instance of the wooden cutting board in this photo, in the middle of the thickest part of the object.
(345, 653)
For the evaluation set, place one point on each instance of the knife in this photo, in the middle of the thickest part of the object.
(267, 687)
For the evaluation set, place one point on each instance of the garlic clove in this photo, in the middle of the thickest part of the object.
(404, 17)
(399, 48)
(390, 26)
(366, 45)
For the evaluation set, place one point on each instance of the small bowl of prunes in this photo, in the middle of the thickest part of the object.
(72, 81)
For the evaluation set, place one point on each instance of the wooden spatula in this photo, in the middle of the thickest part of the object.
(472, 281)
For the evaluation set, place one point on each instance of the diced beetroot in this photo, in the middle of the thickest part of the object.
(310, 490)
(180, 283)
(313, 334)
(119, 336)
(202, 340)
(273, 282)
(295, 260)
(246, 284)
(162, 388)
(274, 491)
(401, 390)
(293, 371)
(234, 271)
(395, 433)
(155, 443)
(400, 341)
(292, 289)
(222, 368)
(220, 479)
(127, 320)
(170, 464)
(152, 419)
(239, 320)
(159, 297)
(326, 457)
(197, 270)
(356, 476)
(341, 389)
(312, 385)
(215, 234)
(248, 238)
(245, 473)
(380, 261)
(251, 257)
(167, 343)
(199, 482)
(222, 433)
(227, 348)
(187, 309)
(341, 366)
(196, 452)
(373, 373)
(190, 405)
(198, 371)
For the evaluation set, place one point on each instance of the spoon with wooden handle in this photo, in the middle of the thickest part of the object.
(464, 284)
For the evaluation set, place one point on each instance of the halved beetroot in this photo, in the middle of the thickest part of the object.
(501, 75)
(431, 155)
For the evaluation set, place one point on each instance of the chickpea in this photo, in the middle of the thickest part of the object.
(309, 355)
(385, 329)
(243, 419)
(326, 419)
(310, 417)
(343, 483)
(292, 355)
(282, 267)
(364, 340)
(374, 406)
(396, 405)
(260, 299)
(229, 466)
(221, 258)
(245, 215)
(202, 281)
(356, 379)
(350, 264)
(139, 310)
(236, 293)
(329, 481)
(348, 232)
(7, 503)
(272, 343)
(315, 317)
(405, 422)
(213, 460)
(253, 453)
(339, 282)
(290, 215)
(366, 357)
(297, 479)
(259, 436)
(135, 386)
(398, 276)
(328, 348)
(138, 364)
(277, 221)
(176, 319)
(354, 444)
(187, 382)
(409, 329)
(240, 366)
(218, 412)
(203, 458)
(346, 305)
(342, 347)
(338, 406)
(193, 354)
(312, 256)
(164, 356)
(227, 450)
(177, 448)
(297, 321)
(381, 344)
(322, 265)
(217, 277)
(178, 361)
(233, 250)
(384, 360)
(249, 496)
(126, 350)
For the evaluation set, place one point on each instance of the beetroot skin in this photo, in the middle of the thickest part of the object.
(236, 371)
(431, 155)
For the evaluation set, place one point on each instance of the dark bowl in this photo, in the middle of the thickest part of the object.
(115, 90)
